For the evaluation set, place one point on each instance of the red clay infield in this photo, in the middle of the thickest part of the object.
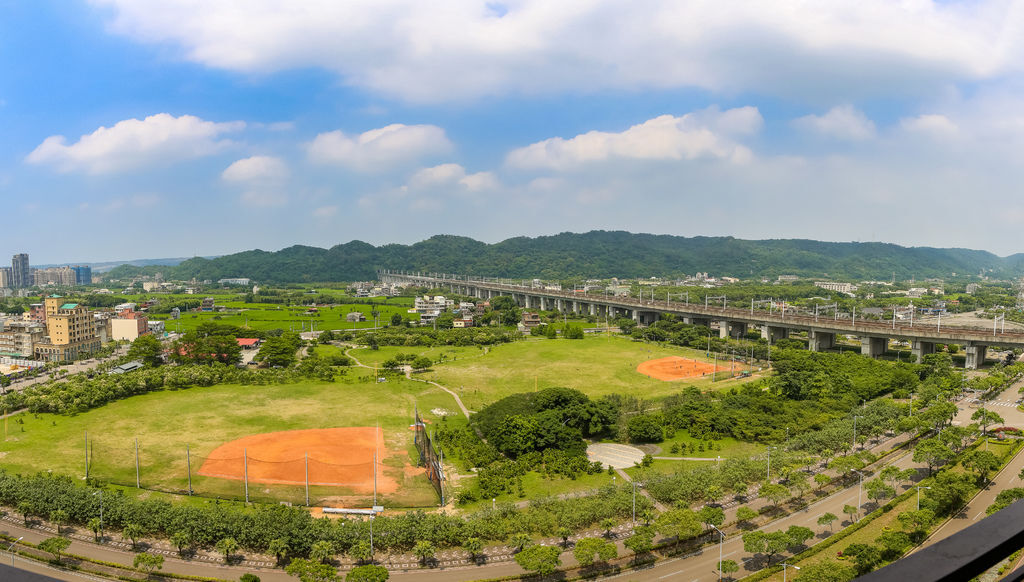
(676, 368)
(337, 457)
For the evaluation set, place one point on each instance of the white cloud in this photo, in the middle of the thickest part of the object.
(156, 140)
(256, 168)
(704, 134)
(933, 123)
(842, 122)
(448, 175)
(379, 148)
(411, 50)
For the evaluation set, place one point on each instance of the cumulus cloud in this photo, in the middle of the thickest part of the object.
(133, 143)
(705, 134)
(411, 50)
(842, 122)
(256, 168)
(452, 174)
(934, 124)
(379, 148)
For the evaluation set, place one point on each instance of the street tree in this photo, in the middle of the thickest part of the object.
(227, 546)
(132, 531)
(933, 453)
(278, 547)
(986, 418)
(321, 551)
(55, 546)
(827, 519)
(851, 510)
(711, 515)
(981, 462)
(540, 559)
(148, 562)
(311, 571)
(589, 550)
(59, 517)
(147, 349)
(367, 573)
(678, 523)
(774, 492)
(728, 567)
(424, 550)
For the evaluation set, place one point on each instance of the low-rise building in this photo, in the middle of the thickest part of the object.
(18, 338)
(207, 304)
(531, 319)
(355, 316)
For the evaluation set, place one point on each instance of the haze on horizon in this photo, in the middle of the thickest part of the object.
(168, 129)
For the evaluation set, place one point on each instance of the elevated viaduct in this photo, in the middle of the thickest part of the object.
(821, 331)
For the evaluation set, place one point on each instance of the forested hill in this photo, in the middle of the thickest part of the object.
(596, 254)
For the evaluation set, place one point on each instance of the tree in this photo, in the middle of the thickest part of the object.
(641, 542)
(181, 540)
(564, 533)
(827, 519)
(587, 548)
(278, 547)
(981, 462)
(55, 546)
(94, 526)
(728, 567)
(473, 546)
(26, 510)
(879, 490)
(367, 573)
(248, 577)
(148, 562)
(422, 363)
(865, 557)
(310, 571)
(711, 515)
(59, 517)
(425, 551)
(774, 492)
(798, 535)
(520, 541)
(396, 320)
(826, 571)
(893, 544)
(321, 551)
(986, 418)
(799, 481)
(227, 546)
(360, 551)
(147, 349)
(645, 428)
(933, 453)
(132, 531)
(607, 524)
(745, 514)
(678, 523)
(851, 511)
(916, 520)
(540, 559)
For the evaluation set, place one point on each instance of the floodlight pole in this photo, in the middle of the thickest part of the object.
(137, 483)
(188, 463)
(307, 479)
(245, 469)
(919, 488)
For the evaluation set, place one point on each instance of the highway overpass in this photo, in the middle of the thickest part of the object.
(731, 321)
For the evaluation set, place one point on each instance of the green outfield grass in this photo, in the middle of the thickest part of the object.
(595, 365)
(267, 317)
(204, 418)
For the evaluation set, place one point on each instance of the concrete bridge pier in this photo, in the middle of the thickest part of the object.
(773, 333)
(975, 356)
(544, 304)
(873, 346)
(723, 329)
(920, 349)
(593, 309)
(821, 340)
(737, 329)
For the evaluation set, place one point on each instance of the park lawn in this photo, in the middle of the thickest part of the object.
(596, 366)
(664, 467)
(265, 317)
(723, 447)
(536, 485)
(371, 357)
(204, 418)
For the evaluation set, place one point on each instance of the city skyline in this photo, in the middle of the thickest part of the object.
(180, 131)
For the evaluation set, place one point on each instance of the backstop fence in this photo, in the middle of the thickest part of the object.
(431, 457)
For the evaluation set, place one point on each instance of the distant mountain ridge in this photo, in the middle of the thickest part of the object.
(598, 254)
(102, 266)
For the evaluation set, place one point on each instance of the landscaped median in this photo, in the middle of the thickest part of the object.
(885, 531)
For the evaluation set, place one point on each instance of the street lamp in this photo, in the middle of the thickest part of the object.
(10, 548)
(919, 488)
(786, 566)
(860, 484)
(100, 493)
(721, 540)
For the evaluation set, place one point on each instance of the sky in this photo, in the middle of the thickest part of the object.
(144, 129)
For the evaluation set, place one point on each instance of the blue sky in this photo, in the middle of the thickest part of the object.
(136, 129)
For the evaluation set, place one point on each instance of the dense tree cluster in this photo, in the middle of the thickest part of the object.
(426, 337)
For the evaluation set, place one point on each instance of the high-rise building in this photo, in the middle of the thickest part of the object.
(5, 277)
(21, 274)
(83, 274)
(70, 331)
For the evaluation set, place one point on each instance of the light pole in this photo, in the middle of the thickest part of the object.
(859, 487)
(10, 548)
(785, 567)
(100, 493)
(721, 540)
(919, 488)
(853, 445)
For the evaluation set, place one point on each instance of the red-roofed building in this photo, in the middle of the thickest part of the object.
(248, 343)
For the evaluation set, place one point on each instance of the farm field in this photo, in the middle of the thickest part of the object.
(594, 365)
(263, 316)
(206, 418)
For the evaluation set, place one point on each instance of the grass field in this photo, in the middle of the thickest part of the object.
(203, 418)
(595, 365)
(267, 316)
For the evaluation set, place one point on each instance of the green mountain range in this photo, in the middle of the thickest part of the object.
(596, 254)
